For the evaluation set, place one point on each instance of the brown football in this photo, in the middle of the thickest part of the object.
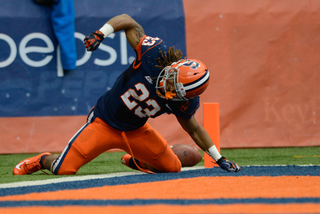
(188, 155)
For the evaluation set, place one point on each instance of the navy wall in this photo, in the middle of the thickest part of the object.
(29, 82)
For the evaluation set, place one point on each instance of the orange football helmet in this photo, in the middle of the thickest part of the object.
(190, 76)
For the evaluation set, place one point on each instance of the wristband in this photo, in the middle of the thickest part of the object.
(106, 29)
(214, 153)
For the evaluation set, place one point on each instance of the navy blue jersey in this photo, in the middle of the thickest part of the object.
(133, 99)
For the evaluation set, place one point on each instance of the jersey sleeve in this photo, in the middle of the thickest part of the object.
(147, 44)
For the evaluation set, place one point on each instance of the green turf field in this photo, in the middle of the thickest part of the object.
(110, 162)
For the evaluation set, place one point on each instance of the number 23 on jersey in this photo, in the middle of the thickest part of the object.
(143, 97)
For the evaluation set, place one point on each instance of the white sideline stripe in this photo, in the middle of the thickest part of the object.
(78, 178)
(66, 179)
(90, 177)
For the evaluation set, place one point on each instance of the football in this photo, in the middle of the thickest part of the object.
(188, 155)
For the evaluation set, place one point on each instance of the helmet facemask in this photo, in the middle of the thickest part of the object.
(166, 74)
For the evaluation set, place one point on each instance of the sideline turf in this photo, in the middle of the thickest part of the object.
(110, 162)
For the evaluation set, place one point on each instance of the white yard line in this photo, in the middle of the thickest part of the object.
(66, 179)
(78, 178)
(90, 177)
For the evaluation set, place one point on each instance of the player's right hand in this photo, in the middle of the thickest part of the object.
(92, 41)
(228, 165)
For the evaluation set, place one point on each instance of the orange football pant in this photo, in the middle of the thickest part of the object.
(94, 138)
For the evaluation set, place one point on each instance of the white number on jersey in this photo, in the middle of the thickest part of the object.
(149, 41)
(144, 95)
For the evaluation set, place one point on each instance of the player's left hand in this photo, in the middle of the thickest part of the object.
(93, 41)
(228, 165)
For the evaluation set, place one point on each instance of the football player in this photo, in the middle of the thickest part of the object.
(157, 82)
